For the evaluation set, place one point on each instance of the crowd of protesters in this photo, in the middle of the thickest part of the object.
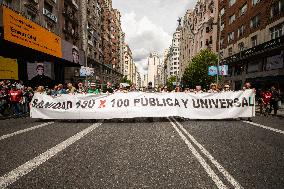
(15, 96)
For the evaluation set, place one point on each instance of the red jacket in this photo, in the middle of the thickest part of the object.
(15, 95)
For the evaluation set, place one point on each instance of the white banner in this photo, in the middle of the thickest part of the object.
(137, 104)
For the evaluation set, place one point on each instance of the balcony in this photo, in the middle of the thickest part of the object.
(32, 5)
(70, 16)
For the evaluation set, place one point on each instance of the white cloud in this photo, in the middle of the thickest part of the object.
(143, 37)
(149, 25)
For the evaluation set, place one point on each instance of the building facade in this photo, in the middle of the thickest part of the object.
(88, 33)
(199, 31)
(173, 65)
(252, 42)
(40, 38)
(153, 64)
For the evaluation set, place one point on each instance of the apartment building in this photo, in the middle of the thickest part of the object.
(49, 41)
(199, 31)
(252, 42)
(153, 65)
(173, 65)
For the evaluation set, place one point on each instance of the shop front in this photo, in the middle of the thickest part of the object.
(262, 65)
(37, 53)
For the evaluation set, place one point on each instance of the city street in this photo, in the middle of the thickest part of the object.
(139, 153)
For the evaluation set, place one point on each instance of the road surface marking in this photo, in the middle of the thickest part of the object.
(29, 166)
(25, 130)
(200, 159)
(211, 158)
(264, 127)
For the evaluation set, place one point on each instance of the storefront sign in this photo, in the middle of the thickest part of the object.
(49, 15)
(274, 62)
(222, 70)
(72, 53)
(22, 31)
(212, 70)
(86, 71)
(8, 68)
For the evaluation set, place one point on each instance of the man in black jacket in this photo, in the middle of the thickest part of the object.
(40, 79)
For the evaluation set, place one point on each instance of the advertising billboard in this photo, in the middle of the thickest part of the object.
(212, 70)
(222, 70)
(274, 62)
(72, 53)
(8, 68)
(32, 69)
(86, 71)
(22, 31)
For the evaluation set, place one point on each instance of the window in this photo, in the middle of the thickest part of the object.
(207, 29)
(48, 7)
(254, 41)
(222, 11)
(276, 7)
(255, 21)
(254, 2)
(277, 31)
(243, 9)
(241, 31)
(31, 15)
(230, 51)
(231, 2)
(241, 46)
(222, 26)
(231, 36)
(232, 19)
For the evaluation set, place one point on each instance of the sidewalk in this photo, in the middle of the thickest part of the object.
(280, 112)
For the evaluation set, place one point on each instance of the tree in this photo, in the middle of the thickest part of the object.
(125, 80)
(196, 72)
(170, 81)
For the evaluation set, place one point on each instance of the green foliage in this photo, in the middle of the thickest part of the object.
(170, 81)
(196, 72)
(125, 80)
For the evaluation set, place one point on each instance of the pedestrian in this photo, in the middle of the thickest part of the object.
(275, 97)
(198, 89)
(226, 88)
(109, 88)
(177, 89)
(70, 88)
(61, 90)
(213, 88)
(247, 86)
(93, 89)
(54, 91)
(16, 97)
(81, 88)
(40, 89)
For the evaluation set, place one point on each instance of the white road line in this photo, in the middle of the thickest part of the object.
(25, 130)
(264, 127)
(200, 159)
(27, 167)
(211, 158)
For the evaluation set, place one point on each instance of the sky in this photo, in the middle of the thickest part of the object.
(149, 25)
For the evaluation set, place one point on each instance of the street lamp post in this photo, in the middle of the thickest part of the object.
(219, 46)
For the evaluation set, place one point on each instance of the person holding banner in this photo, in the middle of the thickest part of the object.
(93, 89)
(198, 89)
(226, 88)
(213, 88)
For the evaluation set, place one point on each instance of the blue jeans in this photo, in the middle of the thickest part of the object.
(16, 108)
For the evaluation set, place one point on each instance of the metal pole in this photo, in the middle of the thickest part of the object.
(219, 46)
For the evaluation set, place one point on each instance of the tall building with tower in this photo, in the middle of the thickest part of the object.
(153, 64)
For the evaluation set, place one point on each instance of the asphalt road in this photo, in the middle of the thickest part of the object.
(165, 153)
